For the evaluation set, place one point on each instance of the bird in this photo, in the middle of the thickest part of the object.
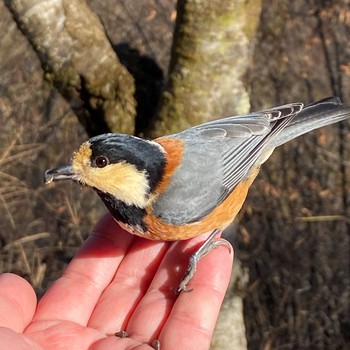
(179, 186)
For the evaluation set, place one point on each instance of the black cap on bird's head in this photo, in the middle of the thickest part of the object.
(123, 166)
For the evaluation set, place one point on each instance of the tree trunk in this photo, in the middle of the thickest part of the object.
(212, 49)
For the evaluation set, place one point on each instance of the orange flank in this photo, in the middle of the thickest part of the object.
(219, 218)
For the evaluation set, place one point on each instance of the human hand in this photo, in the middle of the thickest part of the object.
(118, 281)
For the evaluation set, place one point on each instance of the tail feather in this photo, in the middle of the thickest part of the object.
(325, 112)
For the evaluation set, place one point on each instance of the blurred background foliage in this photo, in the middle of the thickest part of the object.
(292, 237)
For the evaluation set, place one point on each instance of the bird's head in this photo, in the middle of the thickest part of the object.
(125, 167)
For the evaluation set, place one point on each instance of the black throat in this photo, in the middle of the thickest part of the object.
(127, 214)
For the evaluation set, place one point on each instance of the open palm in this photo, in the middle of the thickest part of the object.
(118, 282)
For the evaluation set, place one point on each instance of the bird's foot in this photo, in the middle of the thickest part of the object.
(206, 248)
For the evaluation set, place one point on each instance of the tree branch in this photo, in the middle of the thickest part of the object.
(78, 59)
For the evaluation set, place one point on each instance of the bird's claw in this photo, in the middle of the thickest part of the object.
(190, 271)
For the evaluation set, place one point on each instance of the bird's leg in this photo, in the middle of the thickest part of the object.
(206, 248)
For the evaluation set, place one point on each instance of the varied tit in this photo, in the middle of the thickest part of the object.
(182, 185)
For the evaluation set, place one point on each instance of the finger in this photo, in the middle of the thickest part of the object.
(129, 285)
(195, 313)
(17, 302)
(74, 296)
(157, 303)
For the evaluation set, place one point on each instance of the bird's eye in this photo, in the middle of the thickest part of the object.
(101, 161)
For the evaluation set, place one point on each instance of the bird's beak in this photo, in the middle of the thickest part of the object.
(62, 173)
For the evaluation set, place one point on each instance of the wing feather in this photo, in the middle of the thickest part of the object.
(217, 156)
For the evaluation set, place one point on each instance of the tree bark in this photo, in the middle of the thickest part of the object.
(211, 52)
(79, 61)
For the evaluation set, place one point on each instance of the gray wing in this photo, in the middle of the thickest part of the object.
(217, 156)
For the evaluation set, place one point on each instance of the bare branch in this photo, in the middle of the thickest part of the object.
(78, 59)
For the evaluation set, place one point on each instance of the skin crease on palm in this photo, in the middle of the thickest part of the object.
(118, 281)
